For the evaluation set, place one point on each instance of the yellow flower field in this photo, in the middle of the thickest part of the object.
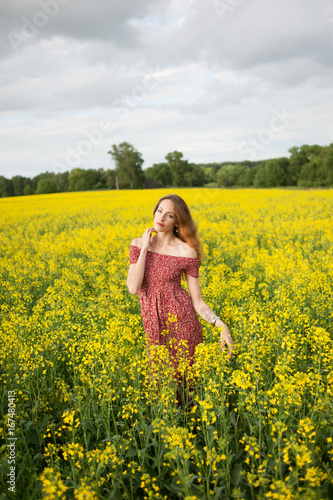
(88, 421)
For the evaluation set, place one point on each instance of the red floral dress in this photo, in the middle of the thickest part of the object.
(166, 308)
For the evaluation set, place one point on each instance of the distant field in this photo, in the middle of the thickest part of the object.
(73, 364)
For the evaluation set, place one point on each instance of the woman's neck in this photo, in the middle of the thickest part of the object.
(164, 239)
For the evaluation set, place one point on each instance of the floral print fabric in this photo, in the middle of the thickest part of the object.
(166, 308)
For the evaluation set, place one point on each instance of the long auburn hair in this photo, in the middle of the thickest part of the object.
(187, 229)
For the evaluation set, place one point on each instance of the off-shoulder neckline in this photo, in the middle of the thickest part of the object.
(166, 254)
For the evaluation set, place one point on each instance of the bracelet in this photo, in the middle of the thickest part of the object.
(215, 319)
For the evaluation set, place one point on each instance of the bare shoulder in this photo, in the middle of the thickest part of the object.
(137, 242)
(187, 251)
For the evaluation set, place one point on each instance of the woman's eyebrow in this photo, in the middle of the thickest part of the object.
(167, 212)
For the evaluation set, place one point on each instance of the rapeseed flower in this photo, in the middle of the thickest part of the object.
(98, 410)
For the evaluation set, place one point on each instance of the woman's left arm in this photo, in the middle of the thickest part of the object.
(207, 314)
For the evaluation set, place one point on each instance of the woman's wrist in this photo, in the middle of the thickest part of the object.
(219, 323)
(214, 319)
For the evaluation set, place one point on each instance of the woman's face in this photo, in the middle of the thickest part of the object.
(165, 218)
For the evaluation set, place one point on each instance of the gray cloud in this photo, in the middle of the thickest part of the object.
(168, 75)
(77, 19)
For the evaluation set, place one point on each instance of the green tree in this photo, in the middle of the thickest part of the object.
(229, 175)
(306, 164)
(297, 159)
(271, 173)
(178, 168)
(259, 180)
(160, 173)
(195, 176)
(100, 179)
(19, 184)
(128, 166)
(249, 175)
(6, 187)
(80, 179)
(276, 172)
(312, 169)
(35, 180)
(328, 165)
(109, 177)
(46, 186)
(28, 190)
(246, 176)
(62, 181)
(210, 173)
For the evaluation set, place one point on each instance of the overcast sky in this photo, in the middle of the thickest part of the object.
(218, 80)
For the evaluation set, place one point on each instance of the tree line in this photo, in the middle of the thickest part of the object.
(307, 166)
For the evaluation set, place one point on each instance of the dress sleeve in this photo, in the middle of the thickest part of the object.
(192, 268)
(134, 253)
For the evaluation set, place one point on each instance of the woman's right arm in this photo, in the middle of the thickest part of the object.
(136, 271)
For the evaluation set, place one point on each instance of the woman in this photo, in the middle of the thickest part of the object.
(156, 266)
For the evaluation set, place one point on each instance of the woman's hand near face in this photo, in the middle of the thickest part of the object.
(146, 238)
(136, 271)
